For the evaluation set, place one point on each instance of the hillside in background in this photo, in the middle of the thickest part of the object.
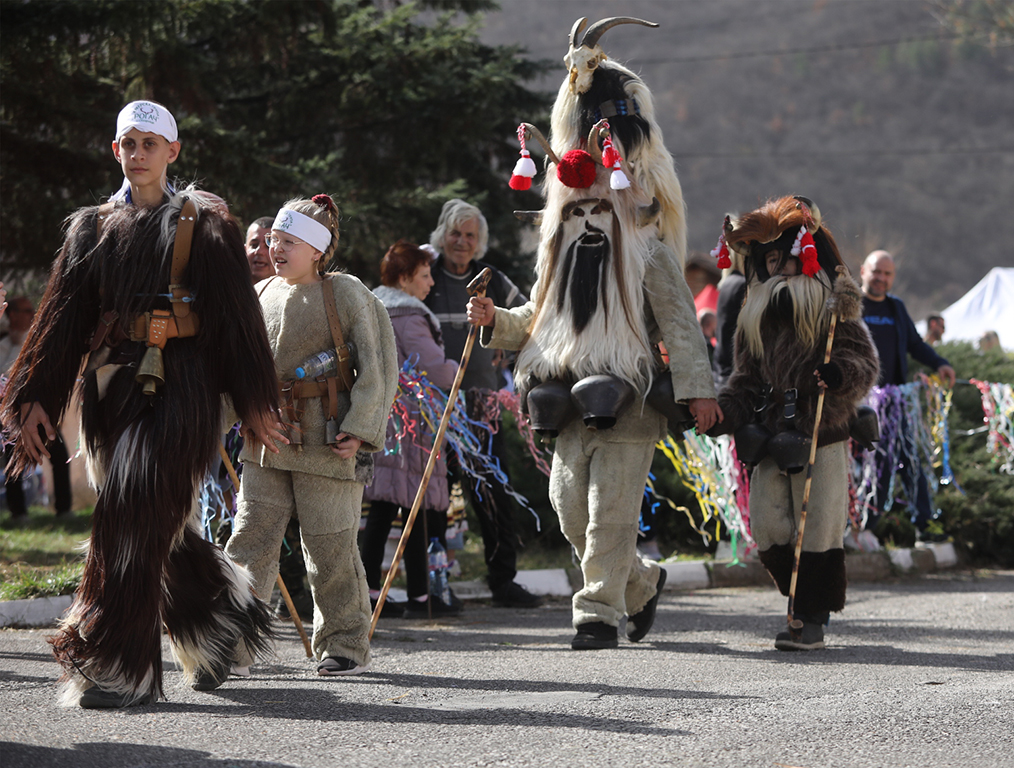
(903, 139)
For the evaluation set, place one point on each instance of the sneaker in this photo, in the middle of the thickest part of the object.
(210, 679)
(392, 608)
(809, 638)
(414, 609)
(640, 623)
(513, 595)
(240, 671)
(99, 698)
(593, 636)
(332, 666)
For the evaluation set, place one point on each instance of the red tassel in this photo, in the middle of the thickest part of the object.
(524, 169)
(520, 183)
(576, 169)
(721, 252)
(808, 255)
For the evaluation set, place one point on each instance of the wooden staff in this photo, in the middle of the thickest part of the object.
(281, 584)
(795, 627)
(475, 288)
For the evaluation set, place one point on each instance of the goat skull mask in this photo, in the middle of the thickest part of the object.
(585, 55)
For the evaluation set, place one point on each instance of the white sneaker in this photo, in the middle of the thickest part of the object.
(241, 671)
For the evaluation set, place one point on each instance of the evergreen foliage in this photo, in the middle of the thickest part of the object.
(390, 112)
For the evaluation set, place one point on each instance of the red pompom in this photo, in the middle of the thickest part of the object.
(520, 183)
(576, 169)
(324, 201)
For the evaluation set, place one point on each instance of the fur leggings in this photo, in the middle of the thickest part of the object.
(148, 567)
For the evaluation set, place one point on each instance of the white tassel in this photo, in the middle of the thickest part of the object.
(525, 166)
(618, 179)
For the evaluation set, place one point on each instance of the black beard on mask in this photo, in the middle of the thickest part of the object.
(780, 306)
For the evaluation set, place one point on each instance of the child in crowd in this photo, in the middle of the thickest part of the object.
(334, 422)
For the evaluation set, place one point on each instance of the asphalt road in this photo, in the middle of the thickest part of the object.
(917, 673)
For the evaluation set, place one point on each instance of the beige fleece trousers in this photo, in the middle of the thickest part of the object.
(776, 501)
(595, 487)
(328, 511)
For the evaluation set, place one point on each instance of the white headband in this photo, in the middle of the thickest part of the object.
(302, 226)
(147, 117)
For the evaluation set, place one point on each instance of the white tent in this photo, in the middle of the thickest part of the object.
(988, 306)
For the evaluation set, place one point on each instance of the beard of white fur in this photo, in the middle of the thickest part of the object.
(206, 651)
(650, 165)
(612, 342)
(809, 299)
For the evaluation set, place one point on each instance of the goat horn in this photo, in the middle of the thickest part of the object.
(533, 132)
(593, 142)
(532, 217)
(646, 214)
(596, 30)
(575, 31)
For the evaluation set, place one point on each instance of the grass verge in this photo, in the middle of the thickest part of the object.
(42, 557)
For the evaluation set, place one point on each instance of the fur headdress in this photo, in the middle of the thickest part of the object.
(791, 225)
(596, 235)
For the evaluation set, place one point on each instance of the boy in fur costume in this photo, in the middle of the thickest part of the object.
(147, 564)
(609, 288)
(796, 281)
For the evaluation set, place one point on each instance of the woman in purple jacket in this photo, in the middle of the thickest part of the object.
(406, 280)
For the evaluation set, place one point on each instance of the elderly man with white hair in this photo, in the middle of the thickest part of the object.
(460, 238)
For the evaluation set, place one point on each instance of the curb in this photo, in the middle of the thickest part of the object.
(34, 612)
(560, 582)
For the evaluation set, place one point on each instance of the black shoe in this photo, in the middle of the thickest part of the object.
(640, 623)
(392, 608)
(332, 666)
(210, 679)
(594, 636)
(513, 595)
(809, 638)
(303, 600)
(98, 698)
(414, 609)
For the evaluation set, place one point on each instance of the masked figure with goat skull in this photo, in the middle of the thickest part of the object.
(152, 296)
(796, 283)
(609, 288)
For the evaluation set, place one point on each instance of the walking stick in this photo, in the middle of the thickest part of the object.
(475, 288)
(795, 627)
(281, 584)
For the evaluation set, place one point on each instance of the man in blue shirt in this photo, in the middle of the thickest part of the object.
(896, 338)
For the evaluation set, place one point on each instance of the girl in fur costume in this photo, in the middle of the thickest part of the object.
(334, 422)
(796, 280)
(106, 305)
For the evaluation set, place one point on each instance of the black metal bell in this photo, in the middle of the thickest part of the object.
(601, 399)
(864, 427)
(550, 408)
(662, 398)
(752, 443)
(790, 450)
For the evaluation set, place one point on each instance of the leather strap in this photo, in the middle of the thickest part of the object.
(344, 366)
(181, 258)
(158, 328)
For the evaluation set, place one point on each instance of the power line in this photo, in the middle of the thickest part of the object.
(790, 51)
(850, 153)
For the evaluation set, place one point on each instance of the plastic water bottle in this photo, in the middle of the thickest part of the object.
(438, 571)
(321, 364)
